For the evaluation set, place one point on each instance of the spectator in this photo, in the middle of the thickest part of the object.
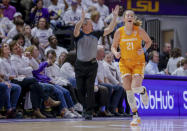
(89, 3)
(38, 12)
(103, 9)
(101, 99)
(120, 19)
(61, 59)
(20, 39)
(182, 70)
(106, 42)
(16, 29)
(42, 31)
(5, 23)
(53, 42)
(164, 56)
(115, 92)
(35, 41)
(56, 14)
(152, 67)
(9, 10)
(67, 68)
(113, 75)
(16, 16)
(97, 22)
(73, 15)
(91, 9)
(173, 60)
(27, 35)
(81, 5)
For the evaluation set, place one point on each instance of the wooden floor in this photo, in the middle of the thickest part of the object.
(97, 124)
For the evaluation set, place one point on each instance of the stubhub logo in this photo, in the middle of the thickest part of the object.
(185, 99)
(158, 100)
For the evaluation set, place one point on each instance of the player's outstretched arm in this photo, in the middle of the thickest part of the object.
(79, 24)
(112, 24)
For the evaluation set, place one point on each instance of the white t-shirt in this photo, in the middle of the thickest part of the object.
(71, 16)
(88, 3)
(103, 10)
(6, 25)
(42, 35)
(99, 25)
(172, 64)
(180, 72)
(58, 9)
(12, 33)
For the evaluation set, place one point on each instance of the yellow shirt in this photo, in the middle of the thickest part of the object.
(129, 46)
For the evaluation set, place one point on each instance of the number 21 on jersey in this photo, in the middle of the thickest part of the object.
(130, 46)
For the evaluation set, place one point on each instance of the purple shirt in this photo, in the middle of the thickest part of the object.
(40, 73)
(9, 12)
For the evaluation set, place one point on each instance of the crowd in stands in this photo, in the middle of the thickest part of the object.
(37, 77)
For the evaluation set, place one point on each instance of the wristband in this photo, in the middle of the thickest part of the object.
(144, 49)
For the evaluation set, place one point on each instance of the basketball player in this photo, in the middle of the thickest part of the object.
(129, 39)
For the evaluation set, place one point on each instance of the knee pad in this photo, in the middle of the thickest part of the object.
(131, 99)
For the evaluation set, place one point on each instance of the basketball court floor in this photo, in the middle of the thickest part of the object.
(97, 124)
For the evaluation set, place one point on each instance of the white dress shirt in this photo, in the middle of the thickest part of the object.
(67, 70)
(101, 73)
(22, 66)
(172, 64)
(152, 68)
(180, 72)
(54, 73)
(7, 68)
(111, 73)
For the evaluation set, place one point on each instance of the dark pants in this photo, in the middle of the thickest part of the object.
(102, 96)
(115, 93)
(37, 91)
(120, 106)
(73, 93)
(85, 73)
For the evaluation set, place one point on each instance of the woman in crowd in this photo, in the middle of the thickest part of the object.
(173, 60)
(42, 31)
